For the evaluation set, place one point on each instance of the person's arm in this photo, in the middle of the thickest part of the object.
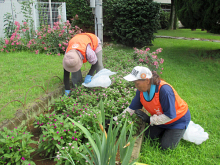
(135, 104)
(167, 101)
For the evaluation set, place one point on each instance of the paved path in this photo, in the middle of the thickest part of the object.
(184, 38)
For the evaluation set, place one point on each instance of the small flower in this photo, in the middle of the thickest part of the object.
(23, 158)
(57, 132)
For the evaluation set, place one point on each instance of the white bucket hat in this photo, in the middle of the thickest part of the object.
(139, 73)
(72, 61)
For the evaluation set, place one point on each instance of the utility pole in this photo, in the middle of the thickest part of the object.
(51, 21)
(96, 6)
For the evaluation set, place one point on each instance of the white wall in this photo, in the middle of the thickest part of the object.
(6, 8)
(163, 1)
(18, 16)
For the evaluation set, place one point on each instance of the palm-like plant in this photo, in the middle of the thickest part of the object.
(105, 147)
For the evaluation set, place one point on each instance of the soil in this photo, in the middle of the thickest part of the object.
(37, 159)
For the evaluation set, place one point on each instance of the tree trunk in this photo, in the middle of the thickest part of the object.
(173, 16)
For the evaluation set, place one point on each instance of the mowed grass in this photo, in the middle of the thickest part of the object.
(196, 78)
(19, 72)
(189, 34)
(197, 81)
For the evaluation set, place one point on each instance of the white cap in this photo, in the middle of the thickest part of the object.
(139, 73)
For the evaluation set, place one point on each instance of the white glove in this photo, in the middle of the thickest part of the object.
(159, 119)
(131, 111)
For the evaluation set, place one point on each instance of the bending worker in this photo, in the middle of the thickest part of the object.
(81, 48)
(169, 114)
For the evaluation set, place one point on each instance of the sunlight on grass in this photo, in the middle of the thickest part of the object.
(188, 34)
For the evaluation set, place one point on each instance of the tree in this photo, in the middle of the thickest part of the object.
(199, 14)
(211, 20)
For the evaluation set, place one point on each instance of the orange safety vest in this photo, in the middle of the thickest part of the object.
(80, 42)
(154, 106)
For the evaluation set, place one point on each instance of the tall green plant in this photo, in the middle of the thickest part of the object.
(105, 147)
(136, 21)
(26, 10)
(9, 27)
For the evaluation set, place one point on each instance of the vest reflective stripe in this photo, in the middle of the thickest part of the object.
(80, 42)
(154, 106)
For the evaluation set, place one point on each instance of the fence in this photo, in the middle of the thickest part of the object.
(41, 13)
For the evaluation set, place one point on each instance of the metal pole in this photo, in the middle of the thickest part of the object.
(51, 22)
(99, 17)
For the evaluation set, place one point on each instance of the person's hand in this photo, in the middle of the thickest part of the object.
(107, 123)
(87, 79)
(145, 118)
(67, 92)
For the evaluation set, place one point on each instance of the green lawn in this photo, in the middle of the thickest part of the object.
(189, 34)
(19, 72)
(197, 80)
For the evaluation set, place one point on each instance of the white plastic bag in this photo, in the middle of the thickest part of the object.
(195, 133)
(100, 79)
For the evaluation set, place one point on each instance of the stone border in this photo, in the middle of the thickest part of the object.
(184, 38)
(24, 117)
(137, 144)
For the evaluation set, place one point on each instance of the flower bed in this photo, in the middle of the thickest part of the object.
(60, 135)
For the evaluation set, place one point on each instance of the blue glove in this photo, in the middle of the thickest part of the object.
(87, 79)
(67, 92)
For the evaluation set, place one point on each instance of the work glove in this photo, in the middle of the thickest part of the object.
(107, 123)
(145, 118)
(67, 92)
(87, 79)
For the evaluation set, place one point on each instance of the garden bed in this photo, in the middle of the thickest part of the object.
(83, 106)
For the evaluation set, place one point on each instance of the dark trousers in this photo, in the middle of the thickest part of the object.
(169, 138)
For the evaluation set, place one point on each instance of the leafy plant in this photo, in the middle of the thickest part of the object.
(105, 147)
(57, 38)
(15, 146)
(69, 154)
(9, 25)
(56, 130)
(136, 21)
(164, 19)
(144, 57)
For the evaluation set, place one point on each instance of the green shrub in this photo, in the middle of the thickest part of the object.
(83, 10)
(164, 19)
(136, 21)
